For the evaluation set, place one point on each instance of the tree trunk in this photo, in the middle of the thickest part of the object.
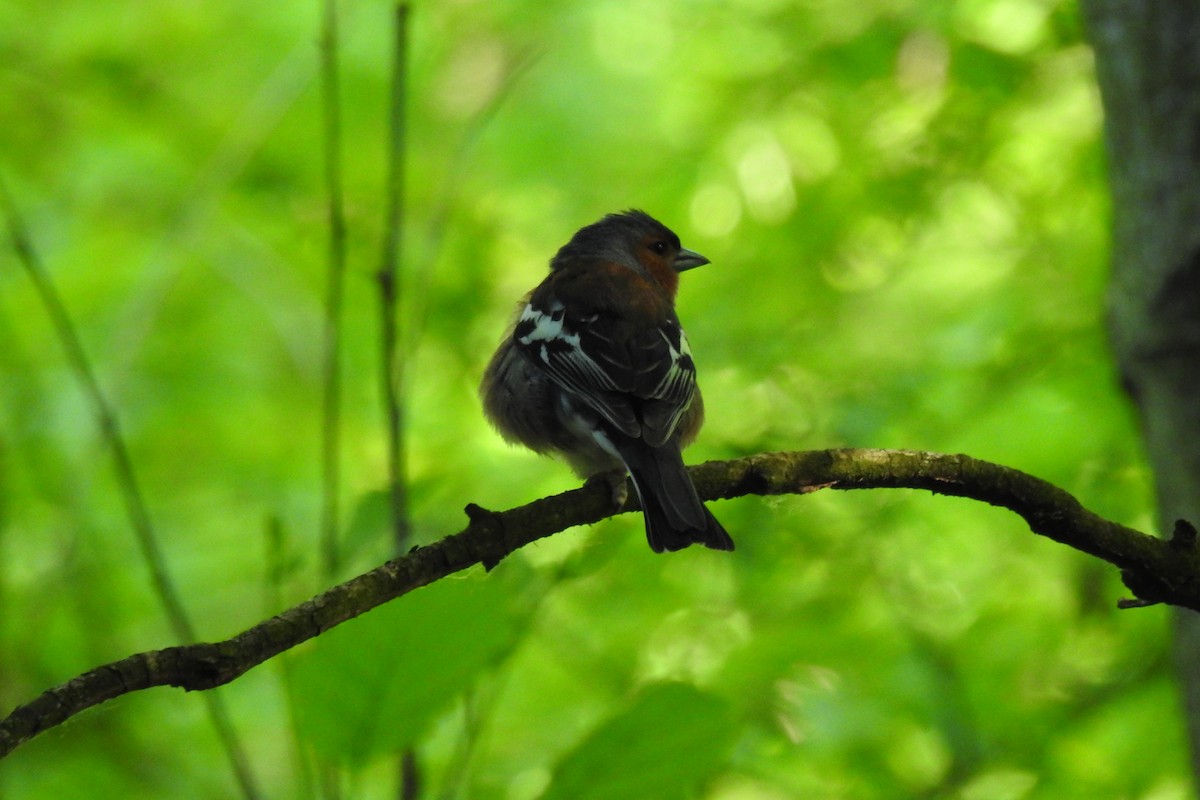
(1148, 67)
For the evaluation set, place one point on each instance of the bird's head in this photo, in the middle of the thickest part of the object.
(635, 240)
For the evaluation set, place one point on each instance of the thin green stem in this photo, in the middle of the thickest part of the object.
(335, 286)
(126, 478)
(331, 401)
(392, 354)
(131, 494)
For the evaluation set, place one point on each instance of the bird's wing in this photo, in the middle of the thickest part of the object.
(668, 379)
(640, 380)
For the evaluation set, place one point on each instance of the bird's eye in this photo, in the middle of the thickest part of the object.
(659, 247)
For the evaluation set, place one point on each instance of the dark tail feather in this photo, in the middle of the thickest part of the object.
(675, 517)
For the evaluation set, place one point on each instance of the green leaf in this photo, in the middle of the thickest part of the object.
(671, 738)
(373, 684)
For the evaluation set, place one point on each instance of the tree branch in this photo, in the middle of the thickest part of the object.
(1155, 570)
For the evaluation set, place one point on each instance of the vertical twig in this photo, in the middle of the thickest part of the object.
(392, 354)
(127, 484)
(331, 400)
(410, 776)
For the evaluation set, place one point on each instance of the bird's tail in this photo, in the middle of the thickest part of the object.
(675, 517)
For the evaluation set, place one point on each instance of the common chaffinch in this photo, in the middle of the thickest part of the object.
(596, 367)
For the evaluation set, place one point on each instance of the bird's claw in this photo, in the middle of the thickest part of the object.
(617, 484)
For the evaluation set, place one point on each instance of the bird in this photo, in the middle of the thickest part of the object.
(596, 368)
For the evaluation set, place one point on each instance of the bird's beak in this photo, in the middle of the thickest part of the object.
(689, 259)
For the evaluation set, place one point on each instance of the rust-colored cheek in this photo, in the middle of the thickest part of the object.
(665, 275)
(650, 304)
(642, 300)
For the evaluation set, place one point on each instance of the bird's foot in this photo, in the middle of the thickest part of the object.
(617, 484)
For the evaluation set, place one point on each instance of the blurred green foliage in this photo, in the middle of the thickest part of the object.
(905, 208)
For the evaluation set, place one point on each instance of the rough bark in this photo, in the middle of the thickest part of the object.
(1148, 67)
